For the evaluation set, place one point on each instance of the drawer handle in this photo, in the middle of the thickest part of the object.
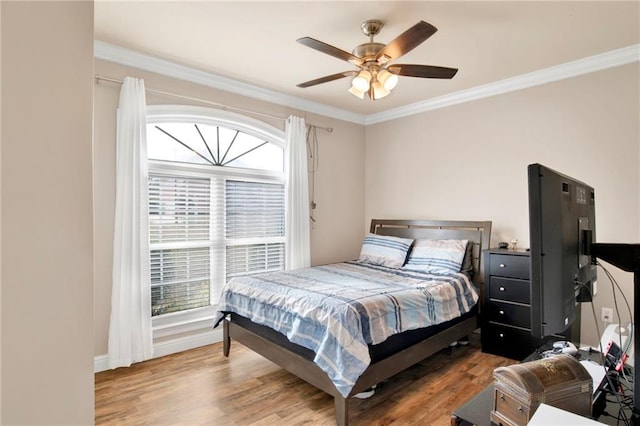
(502, 398)
(501, 334)
(501, 312)
(501, 289)
(521, 409)
(502, 265)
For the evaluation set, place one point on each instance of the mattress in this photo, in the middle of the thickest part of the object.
(392, 345)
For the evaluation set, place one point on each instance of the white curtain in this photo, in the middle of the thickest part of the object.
(130, 335)
(298, 244)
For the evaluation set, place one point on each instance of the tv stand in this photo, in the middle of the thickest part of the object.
(627, 258)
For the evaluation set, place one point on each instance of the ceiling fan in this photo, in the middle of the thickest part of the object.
(376, 75)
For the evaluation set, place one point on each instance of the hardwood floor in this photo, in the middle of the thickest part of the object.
(202, 387)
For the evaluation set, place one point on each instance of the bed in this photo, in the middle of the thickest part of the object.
(373, 333)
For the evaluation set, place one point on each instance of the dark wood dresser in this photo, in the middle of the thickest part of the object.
(506, 310)
(506, 306)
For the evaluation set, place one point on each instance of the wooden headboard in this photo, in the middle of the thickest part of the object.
(477, 232)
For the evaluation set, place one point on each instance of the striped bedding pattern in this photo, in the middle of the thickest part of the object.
(337, 310)
(385, 250)
(437, 256)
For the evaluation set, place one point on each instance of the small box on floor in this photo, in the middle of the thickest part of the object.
(560, 381)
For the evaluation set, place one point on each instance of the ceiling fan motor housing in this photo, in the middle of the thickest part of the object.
(368, 51)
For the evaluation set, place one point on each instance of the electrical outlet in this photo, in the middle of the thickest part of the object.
(607, 315)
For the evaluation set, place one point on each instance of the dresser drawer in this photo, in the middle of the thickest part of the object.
(509, 313)
(510, 289)
(505, 265)
(507, 341)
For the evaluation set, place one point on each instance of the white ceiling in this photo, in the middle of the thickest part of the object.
(255, 42)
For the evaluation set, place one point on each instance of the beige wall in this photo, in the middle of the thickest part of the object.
(470, 161)
(339, 191)
(47, 253)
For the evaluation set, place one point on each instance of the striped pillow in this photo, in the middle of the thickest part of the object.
(385, 250)
(437, 256)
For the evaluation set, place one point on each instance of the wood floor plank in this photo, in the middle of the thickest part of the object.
(202, 387)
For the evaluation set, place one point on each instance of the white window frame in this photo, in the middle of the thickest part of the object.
(167, 325)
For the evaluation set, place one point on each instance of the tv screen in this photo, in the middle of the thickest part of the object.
(561, 208)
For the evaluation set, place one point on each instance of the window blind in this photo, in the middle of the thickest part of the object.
(180, 243)
(254, 227)
(179, 209)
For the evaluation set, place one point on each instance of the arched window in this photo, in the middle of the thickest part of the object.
(216, 204)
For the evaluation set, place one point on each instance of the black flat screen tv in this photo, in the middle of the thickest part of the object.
(561, 209)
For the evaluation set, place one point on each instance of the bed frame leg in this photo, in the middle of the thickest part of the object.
(226, 340)
(342, 412)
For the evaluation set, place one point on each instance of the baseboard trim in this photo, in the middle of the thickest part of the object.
(168, 347)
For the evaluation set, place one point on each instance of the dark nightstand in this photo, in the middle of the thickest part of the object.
(506, 306)
(506, 318)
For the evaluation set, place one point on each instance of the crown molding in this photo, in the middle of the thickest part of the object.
(123, 56)
(611, 59)
(120, 55)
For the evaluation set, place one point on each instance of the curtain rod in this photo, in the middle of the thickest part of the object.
(205, 101)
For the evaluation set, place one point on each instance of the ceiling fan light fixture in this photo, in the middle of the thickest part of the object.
(378, 91)
(362, 81)
(356, 92)
(387, 79)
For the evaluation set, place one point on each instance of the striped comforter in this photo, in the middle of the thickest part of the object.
(337, 310)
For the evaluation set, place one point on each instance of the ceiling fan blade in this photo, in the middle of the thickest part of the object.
(330, 50)
(327, 78)
(407, 41)
(424, 71)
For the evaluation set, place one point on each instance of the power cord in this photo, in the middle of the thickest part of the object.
(614, 285)
(619, 384)
(613, 389)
